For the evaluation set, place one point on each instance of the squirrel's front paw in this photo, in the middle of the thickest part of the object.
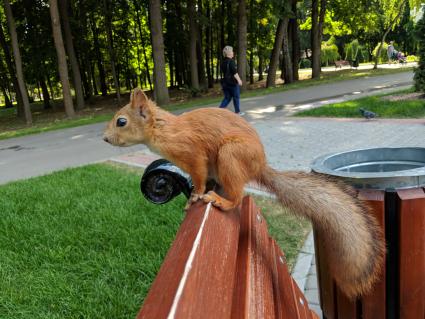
(192, 199)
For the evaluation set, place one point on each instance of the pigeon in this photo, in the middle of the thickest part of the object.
(368, 114)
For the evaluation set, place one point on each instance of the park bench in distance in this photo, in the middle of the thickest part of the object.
(224, 265)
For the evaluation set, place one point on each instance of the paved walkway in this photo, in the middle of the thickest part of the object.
(39, 154)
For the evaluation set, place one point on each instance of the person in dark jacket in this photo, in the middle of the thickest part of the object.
(230, 81)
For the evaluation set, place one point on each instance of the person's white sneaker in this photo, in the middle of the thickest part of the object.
(241, 113)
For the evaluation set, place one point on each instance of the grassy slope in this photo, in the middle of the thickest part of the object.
(384, 108)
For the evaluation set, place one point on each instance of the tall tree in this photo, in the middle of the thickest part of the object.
(391, 14)
(60, 50)
(242, 41)
(160, 78)
(108, 22)
(142, 41)
(18, 62)
(193, 37)
(419, 77)
(274, 59)
(76, 75)
(318, 11)
(12, 73)
(99, 61)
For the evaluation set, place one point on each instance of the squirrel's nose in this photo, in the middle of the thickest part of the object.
(106, 139)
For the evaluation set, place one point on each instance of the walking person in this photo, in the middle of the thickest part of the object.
(231, 81)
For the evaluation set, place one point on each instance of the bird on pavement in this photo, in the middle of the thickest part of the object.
(367, 114)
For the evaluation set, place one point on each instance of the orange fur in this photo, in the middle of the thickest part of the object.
(215, 143)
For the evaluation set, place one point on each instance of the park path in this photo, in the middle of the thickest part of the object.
(290, 142)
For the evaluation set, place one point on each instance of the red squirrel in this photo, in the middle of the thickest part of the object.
(213, 143)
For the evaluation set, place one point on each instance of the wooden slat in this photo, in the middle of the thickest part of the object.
(326, 283)
(208, 286)
(254, 291)
(373, 304)
(412, 253)
(346, 308)
(225, 265)
(285, 298)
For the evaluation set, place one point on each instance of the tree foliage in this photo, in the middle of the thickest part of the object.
(113, 41)
(419, 77)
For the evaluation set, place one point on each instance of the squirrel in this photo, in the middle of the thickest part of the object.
(219, 144)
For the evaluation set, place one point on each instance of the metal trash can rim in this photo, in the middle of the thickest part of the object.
(376, 168)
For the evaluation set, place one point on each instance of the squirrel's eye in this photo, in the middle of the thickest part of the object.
(121, 122)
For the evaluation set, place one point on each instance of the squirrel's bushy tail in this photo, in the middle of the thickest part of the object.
(353, 242)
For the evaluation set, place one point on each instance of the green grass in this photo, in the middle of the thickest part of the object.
(384, 108)
(326, 77)
(84, 243)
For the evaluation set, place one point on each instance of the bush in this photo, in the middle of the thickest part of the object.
(383, 57)
(329, 52)
(355, 52)
(305, 64)
(412, 58)
(419, 77)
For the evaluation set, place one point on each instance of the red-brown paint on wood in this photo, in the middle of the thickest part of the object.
(346, 308)
(373, 304)
(326, 283)
(285, 298)
(237, 271)
(260, 296)
(209, 288)
(158, 302)
(412, 253)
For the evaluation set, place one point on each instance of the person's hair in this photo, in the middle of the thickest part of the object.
(226, 50)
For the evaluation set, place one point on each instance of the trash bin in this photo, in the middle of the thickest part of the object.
(391, 180)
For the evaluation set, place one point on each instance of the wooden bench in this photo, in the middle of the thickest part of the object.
(224, 265)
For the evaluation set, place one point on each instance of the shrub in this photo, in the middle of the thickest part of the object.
(412, 58)
(329, 52)
(383, 57)
(419, 77)
(305, 64)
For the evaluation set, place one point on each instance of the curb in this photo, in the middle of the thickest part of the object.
(303, 263)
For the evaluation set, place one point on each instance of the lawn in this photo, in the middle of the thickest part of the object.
(382, 106)
(84, 243)
(102, 108)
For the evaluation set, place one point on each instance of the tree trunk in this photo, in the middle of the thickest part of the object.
(108, 18)
(295, 37)
(260, 66)
(142, 41)
(208, 57)
(160, 77)
(76, 75)
(18, 62)
(317, 20)
(12, 73)
(93, 80)
(193, 37)
(60, 50)
(46, 96)
(288, 76)
(102, 78)
(274, 59)
(242, 35)
(7, 102)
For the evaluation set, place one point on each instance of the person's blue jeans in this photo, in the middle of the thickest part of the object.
(229, 93)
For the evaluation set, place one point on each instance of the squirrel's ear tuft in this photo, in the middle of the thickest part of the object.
(138, 99)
